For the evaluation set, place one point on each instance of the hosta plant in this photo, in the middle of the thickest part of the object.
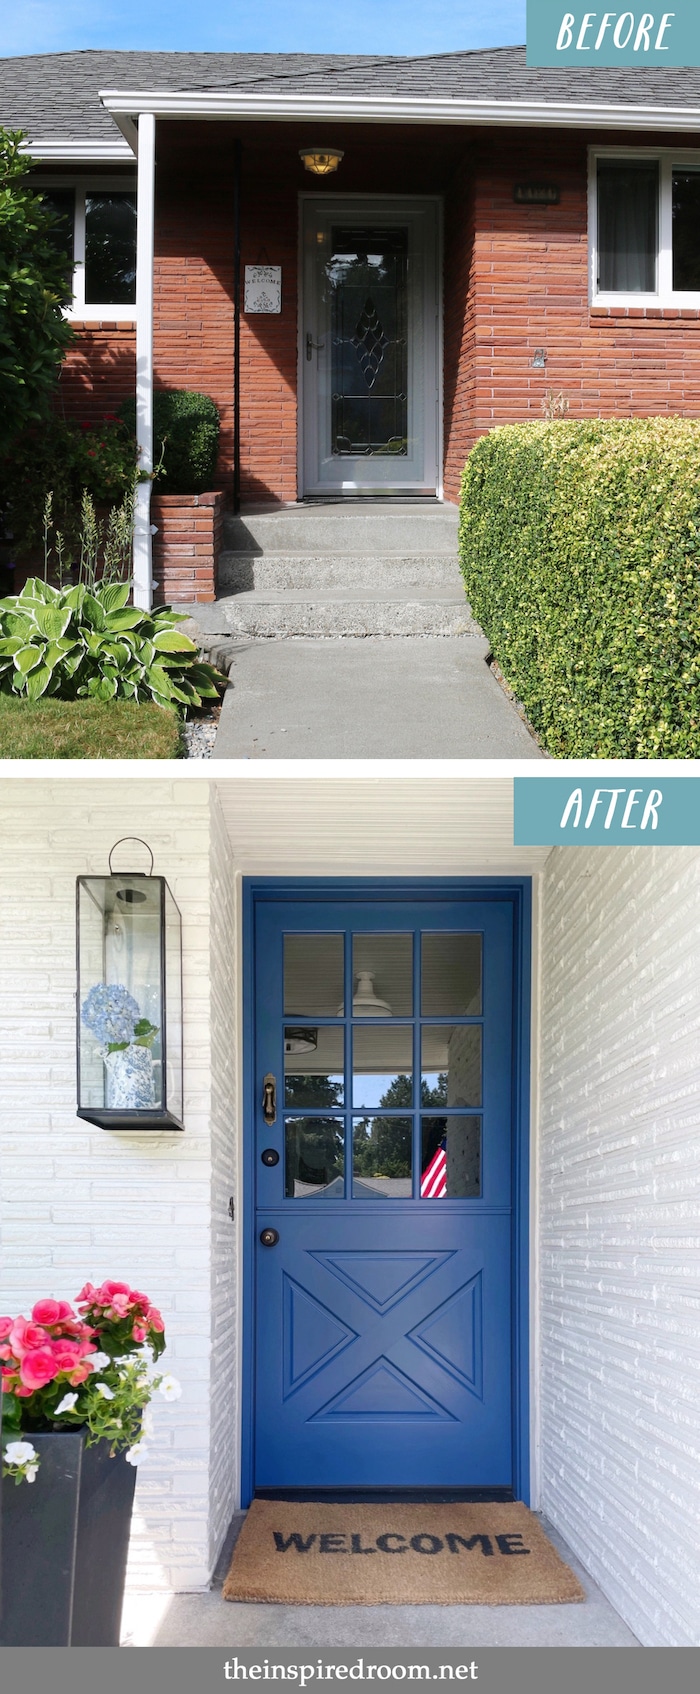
(79, 643)
(64, 1369)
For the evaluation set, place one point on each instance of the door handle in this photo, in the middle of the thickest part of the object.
(269, 1237)
(269, 1099)
(312, 346)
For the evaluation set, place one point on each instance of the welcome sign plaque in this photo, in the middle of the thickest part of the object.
(655, 34)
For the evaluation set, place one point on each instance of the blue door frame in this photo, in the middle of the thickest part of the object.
(518, 892)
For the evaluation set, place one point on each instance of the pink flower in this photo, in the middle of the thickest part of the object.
(109, 1289)
(120, 1305)
(153, 1317)
(66, 1354)
(86, 1295)
(80, 1374)
(37, 1368)
(24, 1336)
(139, 1333)
(51, 1311)
(5, 1327)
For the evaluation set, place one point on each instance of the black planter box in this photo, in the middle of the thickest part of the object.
(65, 1542)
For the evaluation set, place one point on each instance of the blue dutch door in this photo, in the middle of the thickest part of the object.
(383, 1194)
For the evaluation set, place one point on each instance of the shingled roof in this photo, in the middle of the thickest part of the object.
(57, 94)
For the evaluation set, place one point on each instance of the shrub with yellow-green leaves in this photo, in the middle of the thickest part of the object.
(580, 551)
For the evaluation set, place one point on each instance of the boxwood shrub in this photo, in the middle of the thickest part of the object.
(580, 550)
(186, 429)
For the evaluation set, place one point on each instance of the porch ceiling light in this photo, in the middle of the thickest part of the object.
(321, 160)
(365, 1003)
(129, 946)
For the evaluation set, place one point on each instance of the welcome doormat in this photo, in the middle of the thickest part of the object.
(402, 1555)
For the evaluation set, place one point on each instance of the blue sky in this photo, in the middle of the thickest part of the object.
(309, 26)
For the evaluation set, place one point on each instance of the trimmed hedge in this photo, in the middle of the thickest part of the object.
(186, 427)
(580, 550)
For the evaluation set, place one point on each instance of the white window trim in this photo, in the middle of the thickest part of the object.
(669, 158)
(80, 311)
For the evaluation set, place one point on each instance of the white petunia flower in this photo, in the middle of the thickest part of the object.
(20, 1453)
(101, 1388)
(30, 1472)
(97, 1361)
(170, 1388)
(67, 1404)
(136, 1454)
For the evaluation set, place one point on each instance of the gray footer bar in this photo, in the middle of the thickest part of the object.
(211, 1670)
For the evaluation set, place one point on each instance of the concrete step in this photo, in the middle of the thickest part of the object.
(375, 528)
(336, 612)
(239, 572)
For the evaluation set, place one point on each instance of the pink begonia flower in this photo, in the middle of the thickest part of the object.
(25, 1336)
(109, 1289)
(81, 1373)
(23, 1393)
(37, 1368)
(140, 1299)
(153, 1317)
(138, 1332)
(120, 1304)
(51, 1312)
(66, 1354)
(5, 1327)
(86, 1295)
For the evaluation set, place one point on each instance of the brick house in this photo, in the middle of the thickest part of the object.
(536, 1317)
(489, 233)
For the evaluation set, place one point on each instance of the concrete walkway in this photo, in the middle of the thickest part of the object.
(346, 634)
(207, 1620)
(417, 698)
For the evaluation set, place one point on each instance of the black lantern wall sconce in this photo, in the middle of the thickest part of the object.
(129, 955)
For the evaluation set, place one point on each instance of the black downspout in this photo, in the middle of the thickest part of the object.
(237, 149)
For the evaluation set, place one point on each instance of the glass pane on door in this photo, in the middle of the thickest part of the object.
(366, 272)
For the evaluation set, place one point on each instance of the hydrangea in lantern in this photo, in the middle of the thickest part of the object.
(129, 1001)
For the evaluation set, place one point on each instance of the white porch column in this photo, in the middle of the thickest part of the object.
(143, 576)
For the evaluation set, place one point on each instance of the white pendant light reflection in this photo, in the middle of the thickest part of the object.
(365, 1003)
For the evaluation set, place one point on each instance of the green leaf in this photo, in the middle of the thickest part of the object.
(114, 596)
(92, 611)
(129, 618)
(38, 682)
(27, 658)
(170, 641)
(159, 680)
(52, 622)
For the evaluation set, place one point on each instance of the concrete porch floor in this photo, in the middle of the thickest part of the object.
(207, 1620)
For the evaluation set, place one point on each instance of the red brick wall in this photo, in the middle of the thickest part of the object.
(515, 280)
(186, 546)
(99, 371)
(529, 284)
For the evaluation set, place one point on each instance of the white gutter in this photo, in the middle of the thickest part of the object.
(88, 152)
(142, 555)
(397, 108)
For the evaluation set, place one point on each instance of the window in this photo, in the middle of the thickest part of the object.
(97, 231)
(645, 224)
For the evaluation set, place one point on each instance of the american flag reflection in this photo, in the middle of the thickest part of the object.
(434, 1179)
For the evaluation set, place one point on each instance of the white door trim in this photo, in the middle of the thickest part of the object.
(347, 201)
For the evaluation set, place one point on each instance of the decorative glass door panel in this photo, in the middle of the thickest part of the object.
(383, 1233)
(369, 353)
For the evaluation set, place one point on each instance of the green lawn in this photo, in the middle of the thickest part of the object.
(86, 729)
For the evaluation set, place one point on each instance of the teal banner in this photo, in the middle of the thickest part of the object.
(606, 812)
(597, 35)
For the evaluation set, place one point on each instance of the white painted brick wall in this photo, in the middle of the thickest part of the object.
(78, 1202)
(619, 1202)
